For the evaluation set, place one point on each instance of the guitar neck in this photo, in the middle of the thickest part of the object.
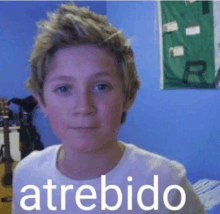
(8, 159)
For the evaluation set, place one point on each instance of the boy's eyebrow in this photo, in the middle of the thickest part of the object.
(63, 77)
(100, 74)
(69, 78)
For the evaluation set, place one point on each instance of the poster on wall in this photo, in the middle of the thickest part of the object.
(189, 44)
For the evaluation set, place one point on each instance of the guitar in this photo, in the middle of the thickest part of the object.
(7, 165)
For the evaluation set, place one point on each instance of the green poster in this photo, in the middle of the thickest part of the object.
(187, 44)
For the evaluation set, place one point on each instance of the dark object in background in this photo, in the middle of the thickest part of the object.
(217, 79)
(29, 137)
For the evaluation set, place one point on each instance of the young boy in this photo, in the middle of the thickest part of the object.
(84, 78)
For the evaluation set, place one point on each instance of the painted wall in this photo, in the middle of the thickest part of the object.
(180, 124)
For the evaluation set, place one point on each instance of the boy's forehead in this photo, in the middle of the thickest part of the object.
(84, 50)
(83, 53)
(83, 60)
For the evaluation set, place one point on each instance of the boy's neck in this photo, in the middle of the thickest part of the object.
(85, 166)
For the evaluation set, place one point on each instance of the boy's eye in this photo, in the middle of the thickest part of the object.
(102, 87)
(62, 89)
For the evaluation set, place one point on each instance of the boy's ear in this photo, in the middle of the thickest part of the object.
(40, 103)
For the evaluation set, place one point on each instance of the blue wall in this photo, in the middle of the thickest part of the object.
(180, 124)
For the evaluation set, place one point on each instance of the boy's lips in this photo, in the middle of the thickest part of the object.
(84, 127)
(79, 128)
(84, 130)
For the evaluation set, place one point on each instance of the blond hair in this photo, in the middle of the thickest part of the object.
(71, 25)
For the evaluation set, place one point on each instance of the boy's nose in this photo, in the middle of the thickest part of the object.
(84, 104)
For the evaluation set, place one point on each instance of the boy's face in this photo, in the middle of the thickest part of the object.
(84, 98)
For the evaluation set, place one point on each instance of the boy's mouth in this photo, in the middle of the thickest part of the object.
(79, 128)
(84, 128)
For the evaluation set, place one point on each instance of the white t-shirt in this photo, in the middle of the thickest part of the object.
(134, 191)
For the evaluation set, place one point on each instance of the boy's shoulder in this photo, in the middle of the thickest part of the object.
(37, 160)
(154, 164)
